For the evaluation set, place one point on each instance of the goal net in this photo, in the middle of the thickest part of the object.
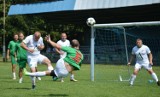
(113, 44)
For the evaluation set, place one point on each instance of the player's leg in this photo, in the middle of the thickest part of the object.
(33, 78)
(38, 73)
(20, 75)
(148, 67)
(72, 77)
(135, 72)
(13, 61)
(22, 64)
(39, 78)
(46, 61)
(32, 62)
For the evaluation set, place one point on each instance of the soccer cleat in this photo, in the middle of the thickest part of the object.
(158, 83)
(74, 80)
(33, 87)
(20, 81)
(14, 78)
(54, 78)
(39, 78)
(25, 72)
(62, 80)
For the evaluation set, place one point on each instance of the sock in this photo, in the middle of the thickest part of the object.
(72, 76)
(33, 79)
(36, 74)
(50, 68)
(133, 77)
(20, 80)
(154, 76)
(14, 75)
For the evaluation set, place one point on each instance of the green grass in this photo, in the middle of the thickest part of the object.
(106, 84)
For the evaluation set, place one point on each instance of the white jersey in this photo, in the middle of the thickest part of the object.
(141, 54)
(63, 43)
(32, 44)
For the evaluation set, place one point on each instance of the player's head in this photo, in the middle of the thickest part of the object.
(75, 43)
(139, 42)
(37, 35)
(63, 36)
(20, 36)
(15, 37)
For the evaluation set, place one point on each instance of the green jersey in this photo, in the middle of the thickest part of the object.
(74, 57)
(11, 47)
(21, 53)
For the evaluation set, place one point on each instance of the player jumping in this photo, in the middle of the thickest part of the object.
(71, 62)
(143, 59)
(33, 44)
(64, 42)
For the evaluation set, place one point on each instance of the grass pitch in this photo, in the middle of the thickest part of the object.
(106, 84)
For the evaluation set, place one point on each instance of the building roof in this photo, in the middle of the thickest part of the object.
(74, 5)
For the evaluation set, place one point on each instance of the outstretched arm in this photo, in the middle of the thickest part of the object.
(52, 42)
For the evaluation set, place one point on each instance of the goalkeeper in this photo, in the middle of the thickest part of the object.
(71, 62)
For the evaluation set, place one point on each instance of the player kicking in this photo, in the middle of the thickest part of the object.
(143, 59)
(33, 44)
(71, 62)
(64, 42)
(11, 52)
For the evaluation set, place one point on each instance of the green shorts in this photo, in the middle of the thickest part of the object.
(22, 63)
(13, 60)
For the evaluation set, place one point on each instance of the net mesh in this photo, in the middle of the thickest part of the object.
(110, 47)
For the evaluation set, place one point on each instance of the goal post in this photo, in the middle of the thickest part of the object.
(111, 25)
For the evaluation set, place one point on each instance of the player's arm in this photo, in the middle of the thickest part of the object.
(23, 45)
(131, 59)
(58, 51)
(150, 58)
(52, 42)
(8, 51)
(41, 45)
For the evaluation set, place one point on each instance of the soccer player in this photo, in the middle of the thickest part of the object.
(11, 53)
(143, 57)
(71, 62)
(64, 42)
(21, 56)
(33, 44)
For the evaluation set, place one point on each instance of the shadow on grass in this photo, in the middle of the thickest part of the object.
(53, 95)
(20, 88)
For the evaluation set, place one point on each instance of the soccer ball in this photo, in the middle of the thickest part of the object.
(90, 21)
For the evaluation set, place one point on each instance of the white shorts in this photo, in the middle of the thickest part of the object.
(34, 60)
(60, 69)
(147, 66)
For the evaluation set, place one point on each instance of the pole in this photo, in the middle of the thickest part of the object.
(92, 53)
(4, 48)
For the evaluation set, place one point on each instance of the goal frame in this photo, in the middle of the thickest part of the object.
(149, 23)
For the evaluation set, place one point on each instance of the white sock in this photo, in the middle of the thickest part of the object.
(20, 80)
(50, 68)
(14, 75)
(36, 74)
(154, 76)
(33, 79)
(72, 76)
(133, 77)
